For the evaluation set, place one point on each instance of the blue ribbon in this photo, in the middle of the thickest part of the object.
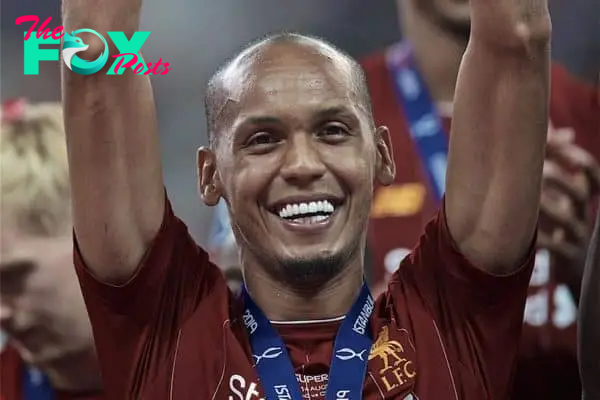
(36, 385)
(349, 360)
(426, 127)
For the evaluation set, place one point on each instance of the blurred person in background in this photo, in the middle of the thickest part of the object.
(589, 319)
(426, 66)
(47, 351)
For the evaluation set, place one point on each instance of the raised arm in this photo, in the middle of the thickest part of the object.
(499, 133)
(589, 319)
(115, 171)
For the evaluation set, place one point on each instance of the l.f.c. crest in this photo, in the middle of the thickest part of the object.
(395, 368)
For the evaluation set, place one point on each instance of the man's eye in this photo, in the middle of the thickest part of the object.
(262, 138)
(334, 131)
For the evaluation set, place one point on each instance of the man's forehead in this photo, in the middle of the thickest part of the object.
(281, 68)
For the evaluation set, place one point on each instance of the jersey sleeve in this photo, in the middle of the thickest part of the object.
(479, 316)
(136, 325)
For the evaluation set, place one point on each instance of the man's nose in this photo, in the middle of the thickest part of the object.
(303, 163)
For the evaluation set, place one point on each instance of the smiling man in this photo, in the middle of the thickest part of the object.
(295, 154)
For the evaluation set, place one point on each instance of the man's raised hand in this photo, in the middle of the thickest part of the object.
(511, 24)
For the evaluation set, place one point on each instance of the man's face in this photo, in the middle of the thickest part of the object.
(297, 160)
(452, 16)
(41, 307)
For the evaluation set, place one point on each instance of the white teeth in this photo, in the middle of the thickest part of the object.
(317, 218)
(309, 220)
(301, 210)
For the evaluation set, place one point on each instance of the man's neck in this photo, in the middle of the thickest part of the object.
(438, 54)
(282, 302)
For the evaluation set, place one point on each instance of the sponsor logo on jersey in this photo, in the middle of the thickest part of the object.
(398, 200)
(393, 259)
(241, 389)
(548, 303)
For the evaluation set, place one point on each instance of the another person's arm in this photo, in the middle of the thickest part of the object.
(566, 222)
(499, 133)
(589, 320)
(114, 158)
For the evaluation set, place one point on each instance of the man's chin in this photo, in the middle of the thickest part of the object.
(451, 18)
(313, 269)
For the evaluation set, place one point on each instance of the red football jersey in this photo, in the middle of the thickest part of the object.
(11, 368)
(443, 330)
(548, 360)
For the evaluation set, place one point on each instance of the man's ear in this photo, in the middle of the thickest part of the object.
(386, 167)
(209, 182)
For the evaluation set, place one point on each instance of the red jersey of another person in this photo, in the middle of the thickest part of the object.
(443, 330)
(11, 379)
(549, 352)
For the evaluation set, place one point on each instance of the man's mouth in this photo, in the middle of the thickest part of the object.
(307, 212)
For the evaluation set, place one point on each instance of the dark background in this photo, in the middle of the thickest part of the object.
(196, 36)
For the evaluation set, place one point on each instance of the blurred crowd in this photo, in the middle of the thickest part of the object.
(47, 348)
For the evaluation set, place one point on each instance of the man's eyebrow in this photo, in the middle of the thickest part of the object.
(259, 120)
(332, 111)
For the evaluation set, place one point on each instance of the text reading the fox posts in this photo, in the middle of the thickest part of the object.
(128, 57)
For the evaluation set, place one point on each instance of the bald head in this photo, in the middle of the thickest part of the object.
(226, 85)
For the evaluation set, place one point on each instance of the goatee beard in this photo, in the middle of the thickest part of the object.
(312, 273)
